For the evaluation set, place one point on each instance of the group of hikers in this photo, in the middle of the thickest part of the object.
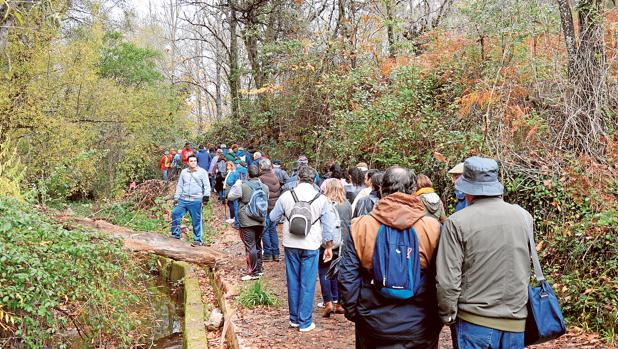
(385, 252)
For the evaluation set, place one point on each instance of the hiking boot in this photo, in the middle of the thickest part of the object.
(329, 308)
(276, 259)
(197, 244)
(267, 258)
(339, 309)
(311, 327)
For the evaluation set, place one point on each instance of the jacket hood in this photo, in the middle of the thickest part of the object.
(432, 202)
(399, 210)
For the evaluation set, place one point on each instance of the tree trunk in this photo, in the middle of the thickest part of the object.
(587, 101)
(234, 75)
(568, 29)
(390, 30)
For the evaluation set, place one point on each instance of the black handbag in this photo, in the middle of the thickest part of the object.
(545, 321)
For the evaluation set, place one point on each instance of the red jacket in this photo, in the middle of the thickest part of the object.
(184, 155)
(165, 162)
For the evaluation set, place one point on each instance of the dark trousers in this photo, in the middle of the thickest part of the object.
(364, 342)
(252, 239)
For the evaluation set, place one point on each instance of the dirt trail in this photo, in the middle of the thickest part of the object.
(268, 327)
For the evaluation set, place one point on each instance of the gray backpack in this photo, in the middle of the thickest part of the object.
(301, 218)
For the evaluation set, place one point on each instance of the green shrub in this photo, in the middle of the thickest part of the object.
(54, 280)
(256, 294)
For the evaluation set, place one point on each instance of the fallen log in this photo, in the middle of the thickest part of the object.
(148, 242)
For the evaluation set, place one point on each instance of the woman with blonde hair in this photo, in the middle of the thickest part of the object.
(334, 192)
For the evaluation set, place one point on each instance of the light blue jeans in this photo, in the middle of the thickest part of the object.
(301, 269)
(195, 210)
(471, 336)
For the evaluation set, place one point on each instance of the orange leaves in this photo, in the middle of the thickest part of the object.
(475, 99)
(440, 157)
(390, 64)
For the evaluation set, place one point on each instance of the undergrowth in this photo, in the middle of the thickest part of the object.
(256, 294)
(61, 286)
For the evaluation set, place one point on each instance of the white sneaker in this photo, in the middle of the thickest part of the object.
(320, 305)
(293, 325)
(311, 327)
(249, 278)
(229, 221)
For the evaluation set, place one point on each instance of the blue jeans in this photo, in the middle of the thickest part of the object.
(330, 290)
(301, 266)
(236, 222)
(230, 205)
(270, 239)
(195, 210)
(471, 336)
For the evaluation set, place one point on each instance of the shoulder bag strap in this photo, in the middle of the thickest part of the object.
(538, 272)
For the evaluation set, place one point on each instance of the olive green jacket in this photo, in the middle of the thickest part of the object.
(483, 265)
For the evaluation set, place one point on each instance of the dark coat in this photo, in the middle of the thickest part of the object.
(415, 320)
(269, 178)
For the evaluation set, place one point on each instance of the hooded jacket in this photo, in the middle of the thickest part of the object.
(432, 203)
(203, 159)
(377, 317)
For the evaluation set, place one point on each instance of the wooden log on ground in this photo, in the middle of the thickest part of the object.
(149, 242)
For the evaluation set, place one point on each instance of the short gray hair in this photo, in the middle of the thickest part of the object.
(265, 164)
(306, 174)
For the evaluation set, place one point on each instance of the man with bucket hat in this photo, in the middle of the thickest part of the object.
(483, 263)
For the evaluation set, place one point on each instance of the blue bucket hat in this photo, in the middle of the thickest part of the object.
(480, 177)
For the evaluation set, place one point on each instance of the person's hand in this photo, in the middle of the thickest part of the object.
(328, 254)
(205, 199)
(175, 202)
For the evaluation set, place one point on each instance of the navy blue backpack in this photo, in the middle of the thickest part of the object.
(396, 263)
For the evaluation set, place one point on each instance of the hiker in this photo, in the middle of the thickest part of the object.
(430, 199)
(281, 174)
(257, 157)
(239, 174)
(368, 186)
(176, 164)
(293, 181)
(212, 150)
(230, 168)
(186, 151)
(218, 167)
(164, 165)
(365, 205)
(357, 178)
(307, 226)
(455, 173)
(483, 263)
(192, 191)
(362, 166)
(249, 154)
(212, 170)
(231, 153)
(382, 320)
(251, 226)
(203, 158)
(270, 238)
(342, 211)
